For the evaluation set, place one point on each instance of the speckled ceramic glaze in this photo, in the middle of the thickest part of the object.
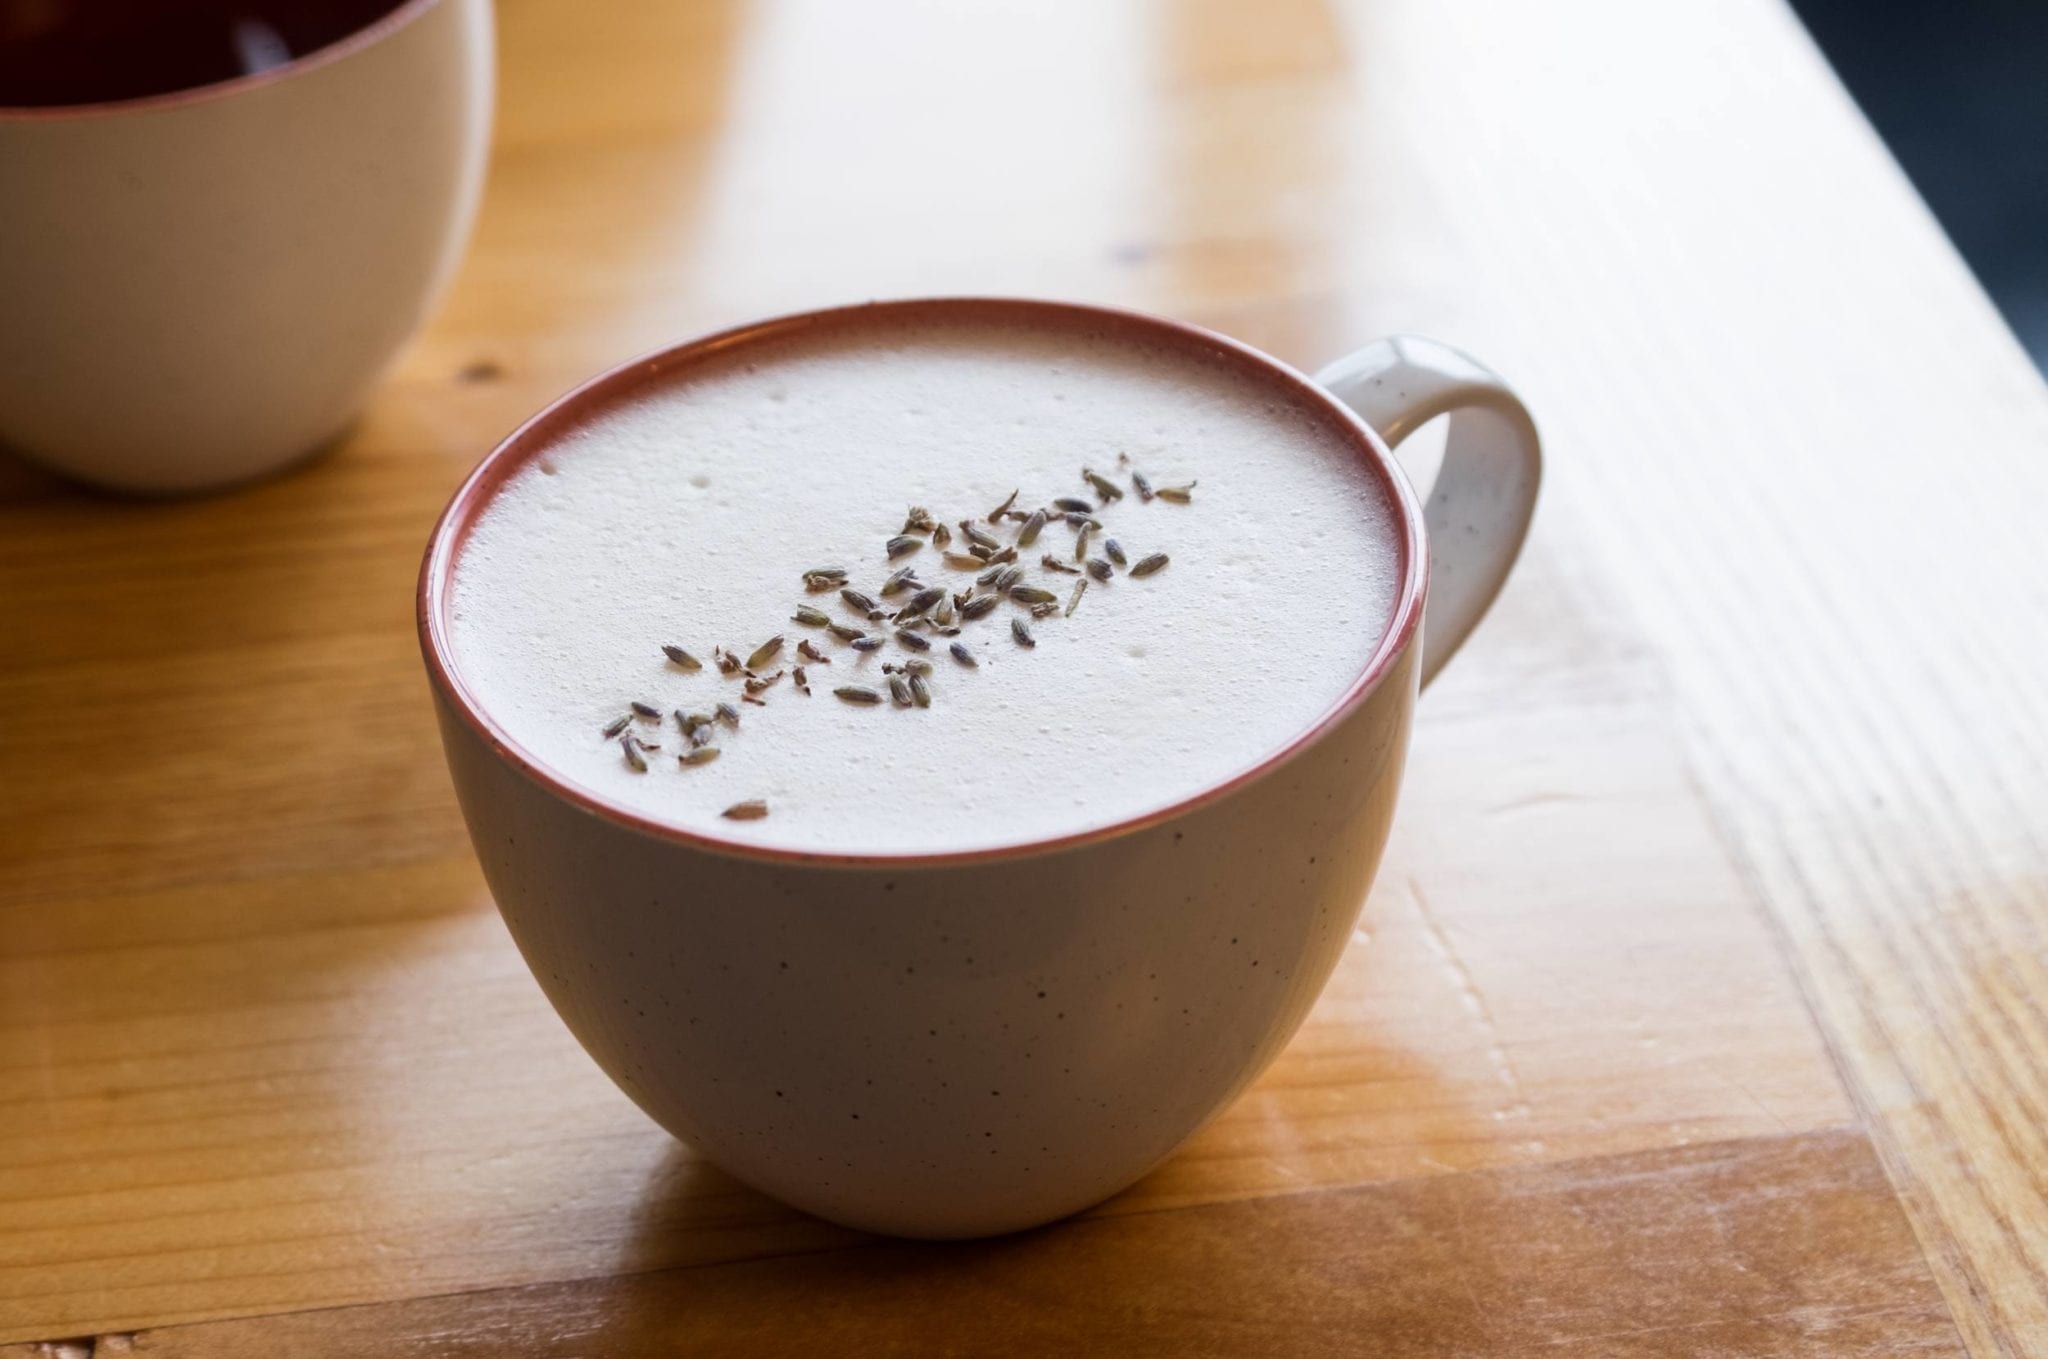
(200, 287)
(957, 1045)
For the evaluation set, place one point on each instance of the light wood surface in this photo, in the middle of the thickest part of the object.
(1698, 1008)
(1649, 1254)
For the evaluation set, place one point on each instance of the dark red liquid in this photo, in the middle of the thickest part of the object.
(55, 52)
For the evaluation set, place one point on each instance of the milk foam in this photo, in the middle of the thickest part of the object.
(690, 516)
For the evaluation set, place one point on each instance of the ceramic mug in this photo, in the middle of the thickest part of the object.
(200, 287)
(960, 1044)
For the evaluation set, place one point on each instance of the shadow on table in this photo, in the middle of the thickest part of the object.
(22, 481)
(1225, 1231)
(1769, 1245)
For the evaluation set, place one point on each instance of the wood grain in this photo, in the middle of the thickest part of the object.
(1814, 495)
(264, 1047)
(1703, 1250)
(303, 1089)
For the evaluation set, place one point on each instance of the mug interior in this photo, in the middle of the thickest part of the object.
(72, 58)
(622, 385)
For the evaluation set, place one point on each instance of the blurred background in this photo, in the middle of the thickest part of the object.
(1960, 94)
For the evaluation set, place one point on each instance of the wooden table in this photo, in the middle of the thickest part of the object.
(1702, 1006)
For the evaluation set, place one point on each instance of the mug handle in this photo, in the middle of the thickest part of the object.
(1478, 511)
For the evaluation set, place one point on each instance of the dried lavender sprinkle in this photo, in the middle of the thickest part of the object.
(1104, 487)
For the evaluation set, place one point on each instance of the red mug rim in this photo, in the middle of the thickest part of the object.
(397, 17)
(608, 388)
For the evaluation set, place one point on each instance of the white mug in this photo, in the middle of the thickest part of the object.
(960, 1044)
(200, 287)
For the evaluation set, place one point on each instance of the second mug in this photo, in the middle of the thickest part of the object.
(199, 286)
